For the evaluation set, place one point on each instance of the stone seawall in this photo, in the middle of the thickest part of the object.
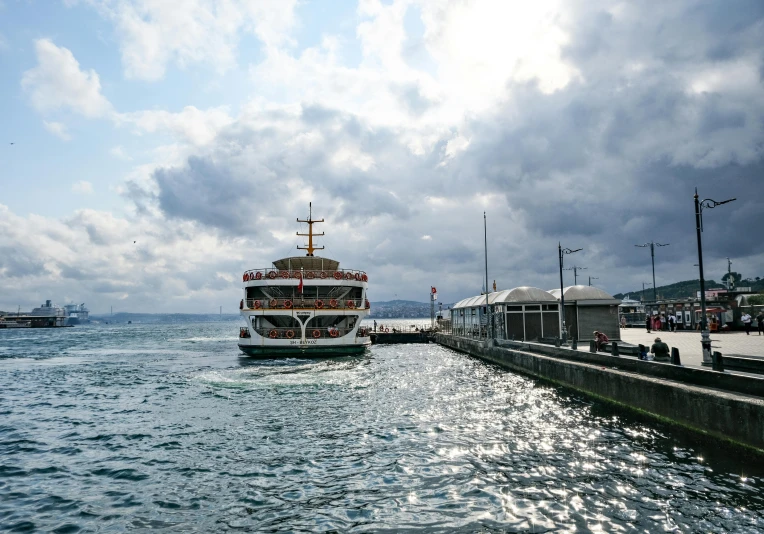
(727, 415)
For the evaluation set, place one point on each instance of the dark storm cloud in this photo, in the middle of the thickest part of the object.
(208, 193)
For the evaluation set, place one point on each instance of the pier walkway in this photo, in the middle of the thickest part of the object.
(688, 343)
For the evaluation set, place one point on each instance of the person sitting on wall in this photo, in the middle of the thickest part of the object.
(600, 339)
(660, 350)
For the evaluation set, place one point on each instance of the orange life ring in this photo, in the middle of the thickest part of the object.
(288, 304)
(333, 303)
(349, 276)
(337, 275)
(246, 277)
(334, 333)
(350, 304)
(273, 303)
(256, 304)
(273, 334)
(358, 276)
(241, 304)
(316, 333)
(364, 278)
(311, 275)
(284, 274)
(258, 275)
(272, 275)
(297, 274)
(368, 304)
(319, 304)
(290, 334)
(323, 275)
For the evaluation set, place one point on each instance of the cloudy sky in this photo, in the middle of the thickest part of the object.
(158, 151)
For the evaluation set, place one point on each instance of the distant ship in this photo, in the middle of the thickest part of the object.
(69, 315)
(304, 305)
(77, 314)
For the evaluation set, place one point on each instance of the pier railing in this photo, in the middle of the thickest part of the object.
(307, 304)
(296, 274)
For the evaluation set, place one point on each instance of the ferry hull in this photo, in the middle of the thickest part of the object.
(305, 351)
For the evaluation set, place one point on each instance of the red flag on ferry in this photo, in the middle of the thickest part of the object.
(433, 290)
(299, 286)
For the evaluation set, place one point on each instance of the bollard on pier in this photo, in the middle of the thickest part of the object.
(717, 362)
(675, 356)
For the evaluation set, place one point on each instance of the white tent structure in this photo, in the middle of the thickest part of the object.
(523, 313)
(587, 309)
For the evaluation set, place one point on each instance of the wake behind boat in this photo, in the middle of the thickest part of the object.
(304, 305)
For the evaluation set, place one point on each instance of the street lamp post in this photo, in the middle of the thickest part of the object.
(643, 288)
(652, 245)
(592, 278)
(575, 270)
(487, 304)
(563, 332)
(705, 337)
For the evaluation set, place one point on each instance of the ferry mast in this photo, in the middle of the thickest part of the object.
(310, 248)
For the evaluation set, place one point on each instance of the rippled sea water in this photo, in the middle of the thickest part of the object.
(137, 427)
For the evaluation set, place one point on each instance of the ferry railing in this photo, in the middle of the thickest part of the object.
(311, 274)
(310, 333)
(307, 304)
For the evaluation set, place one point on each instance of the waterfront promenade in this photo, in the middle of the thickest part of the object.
(688, 343)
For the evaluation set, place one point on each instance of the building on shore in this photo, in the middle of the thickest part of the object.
(631, 312)
(723, 310)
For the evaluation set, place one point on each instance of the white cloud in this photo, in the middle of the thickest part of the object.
(58, 129)
(192, 125)
(155, 33)
(84, 187)
(119, 153)
(57, 82)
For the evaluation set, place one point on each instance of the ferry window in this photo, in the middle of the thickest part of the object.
(533, 306)
(514, 308)
(550, 307)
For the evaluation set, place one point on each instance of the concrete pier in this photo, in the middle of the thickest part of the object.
(726, 406)
(382, 338)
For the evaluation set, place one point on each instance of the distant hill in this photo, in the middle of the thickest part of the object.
(686, 289)
(393, 309)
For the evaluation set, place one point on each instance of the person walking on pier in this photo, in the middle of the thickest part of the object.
(671, 323)
(648, 320)
(661, 350)
(746, 318)
(760, 322)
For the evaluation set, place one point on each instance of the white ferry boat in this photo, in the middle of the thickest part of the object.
(304, 306)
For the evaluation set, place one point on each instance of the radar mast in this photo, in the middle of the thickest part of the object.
(310, 248)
